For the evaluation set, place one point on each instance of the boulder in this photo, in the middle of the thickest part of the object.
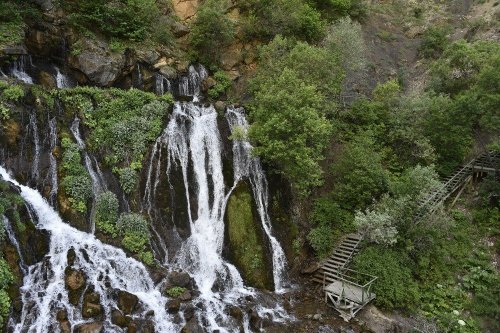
(192, 326)
(127, 302)
(94, 327)
(235, 312)
(95, 60)
(47, 80)
(376, 321)
(208, 83)
(173, 305)
(220, 106)
(74, 279)
(186, 296)
(179, 279)
(65, 326)
(189, 312)
(91, 305)
(180, 29)
(185, 9)
(120, 319)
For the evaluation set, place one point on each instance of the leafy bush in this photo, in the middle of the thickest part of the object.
(6, 278)
(76, 181)
(223, 82)
(176, 291)
(135, 231)
(12, 93)
(128, 179)
(395, 287)
(288, 130)
(322, 240)
(211, 31)
(434, 42)
(127, 19)
(106, 215)
(291, 18)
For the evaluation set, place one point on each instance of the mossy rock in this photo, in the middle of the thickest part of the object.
(245, 240)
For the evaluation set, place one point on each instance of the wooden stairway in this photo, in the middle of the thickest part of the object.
(329, 269)
(485, 163)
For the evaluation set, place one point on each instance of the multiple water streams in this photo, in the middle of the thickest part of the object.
(190, 143)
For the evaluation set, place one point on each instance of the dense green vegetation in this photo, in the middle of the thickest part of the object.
(129, 20)
(8, 206)
(122, 125)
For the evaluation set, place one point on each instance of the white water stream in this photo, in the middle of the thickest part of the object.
(104, 266)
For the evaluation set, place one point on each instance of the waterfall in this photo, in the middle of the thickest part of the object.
(162, 85)
(19, 68)
(192, 136)
(190, 85)
(107, 268)
(13, 240)
(98, 181)
(61, 80)
(35, 166)
(53, 162)
(246, 165)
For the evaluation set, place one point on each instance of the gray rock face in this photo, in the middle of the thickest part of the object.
(95, 60)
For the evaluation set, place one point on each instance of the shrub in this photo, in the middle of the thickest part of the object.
(13, 93)
(176, 291)
(223, 82)
(6, 278)
(106, 215)
(395, 286)
(211, 31)
(434, 42)
(127, 19)
(321, 240)
(76, 181)
(128, 179)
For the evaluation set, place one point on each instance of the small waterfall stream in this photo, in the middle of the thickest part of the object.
(98, 181)
(246, 165)
(19, 69)
(13, 240)
(52, 175)
(33, 129)
(105, 267)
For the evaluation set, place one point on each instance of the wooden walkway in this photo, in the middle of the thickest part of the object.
(349, 291)
(486, 163)
(341, 257)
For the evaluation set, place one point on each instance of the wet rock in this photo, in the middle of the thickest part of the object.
(186, 296)
(148, 327)
(255, 321)
(91, 305)
(208, 83)
(173, 305)
(95, 60)
(94, 327)
(65, 327)
(62, 315)
(377, 321)
(74, 279)
(180, 29)
(179, 279)
(119, 318)
(71, 256)
(189, 313)
(47, 80)
(235, 312)
(192, 326)
(127, 302)
(220, 106)
(132, 327)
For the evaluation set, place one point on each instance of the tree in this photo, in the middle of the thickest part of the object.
(288, 131)
(211, 31)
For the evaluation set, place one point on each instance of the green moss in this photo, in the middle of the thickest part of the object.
(246, 247)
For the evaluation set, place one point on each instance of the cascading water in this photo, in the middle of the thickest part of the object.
(162, 85)
(190, 85)
(13, 240)
(192, 135)
(105, 267)
(246, 165)
(52, 175)
(61, 80)
(35, 166)
(19, 68)
(98, 181)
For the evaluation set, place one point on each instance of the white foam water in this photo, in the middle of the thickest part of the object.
(105, 267)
